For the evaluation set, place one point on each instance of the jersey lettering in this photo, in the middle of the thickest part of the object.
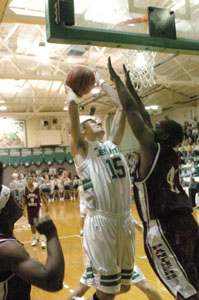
(116, 167)
(170, 180)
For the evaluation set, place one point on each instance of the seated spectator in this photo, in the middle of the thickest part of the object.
(76, 184)
(189, 136)
(13, 187)
(189, 169)
(193, 190)
(56, 192)
(52, 171)
(15, 175)
(21, 174)
(67, 185)
(183, 183)
(195, 147)
(194, 127)
(187, 146)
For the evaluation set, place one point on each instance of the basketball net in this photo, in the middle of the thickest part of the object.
(141, 67)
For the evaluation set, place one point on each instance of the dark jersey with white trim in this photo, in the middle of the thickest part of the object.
(32, 198)
(13, 287)
(160, 194)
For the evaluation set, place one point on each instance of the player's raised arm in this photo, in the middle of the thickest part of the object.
(143, 134)
(76, 136)
(119, 121)
(144, 113)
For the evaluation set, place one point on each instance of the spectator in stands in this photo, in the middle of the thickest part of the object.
(193, 190)
(39, 180)
(187, 146)
(67, 185)
(130, 160)
(21, 174)
(183, 183)
(52, 171)
(76, 184)
(13, 186)
(15, 174)
(21, 184)
(189, 169)
(195, 147)
(56, 192)
(195, 132)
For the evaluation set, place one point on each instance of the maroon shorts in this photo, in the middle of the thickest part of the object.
(33, 212)
(172, 247)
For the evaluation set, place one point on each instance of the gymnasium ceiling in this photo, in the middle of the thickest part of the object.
(32, 71)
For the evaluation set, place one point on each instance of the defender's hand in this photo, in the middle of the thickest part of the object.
(127, 77)
(113, 75)
(45, 226)
(70, 95)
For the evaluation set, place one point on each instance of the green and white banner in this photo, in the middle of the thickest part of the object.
(4, 157)
(49, 156)
(26, 157)
(15, 157)
(37, 156)
(69, 157)
(59, 155)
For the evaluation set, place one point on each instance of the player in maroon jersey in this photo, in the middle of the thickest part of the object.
(32, 200)
(18, 270)
(171, 234)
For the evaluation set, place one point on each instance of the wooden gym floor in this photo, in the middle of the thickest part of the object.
(67, 219)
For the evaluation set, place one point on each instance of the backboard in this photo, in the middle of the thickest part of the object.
(95, 25)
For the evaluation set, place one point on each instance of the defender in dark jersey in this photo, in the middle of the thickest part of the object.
(32, 200)
(18, 270)
(171, 234)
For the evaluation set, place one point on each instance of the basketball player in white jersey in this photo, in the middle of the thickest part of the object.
(138, 279)
(108, 240)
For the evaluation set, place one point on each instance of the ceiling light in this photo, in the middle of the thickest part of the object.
(2, 101)
(66, 108)
(2, 107)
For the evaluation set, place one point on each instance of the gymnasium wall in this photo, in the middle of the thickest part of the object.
(128, 144)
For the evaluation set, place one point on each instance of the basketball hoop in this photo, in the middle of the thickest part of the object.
(141, 67)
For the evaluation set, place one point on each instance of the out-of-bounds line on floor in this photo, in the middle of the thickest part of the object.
(60, 237)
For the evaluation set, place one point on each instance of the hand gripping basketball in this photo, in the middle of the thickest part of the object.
(70, 95)
(45, 226)
(81, 80)
(98, 78)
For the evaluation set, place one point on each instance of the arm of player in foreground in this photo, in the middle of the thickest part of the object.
(49, 276)
(119, 121)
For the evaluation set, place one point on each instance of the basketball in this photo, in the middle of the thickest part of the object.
(81, 80)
